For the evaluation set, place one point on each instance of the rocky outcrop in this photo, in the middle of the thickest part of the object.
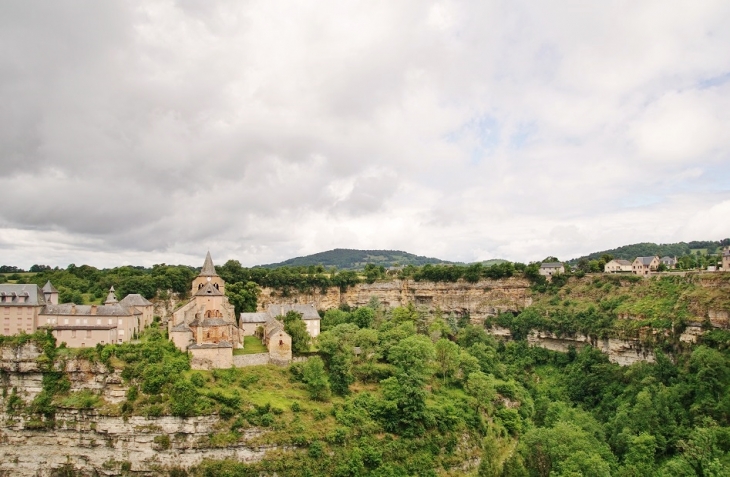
(92, 444)
(480, 300)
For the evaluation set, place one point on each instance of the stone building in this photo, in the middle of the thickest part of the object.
(551, 268)
(20, 305)
(726, 259)
(277, 341)
(251, 321)
(618, 266)
(645, 265)
(84, 326)
(206, 325)
(141, 304)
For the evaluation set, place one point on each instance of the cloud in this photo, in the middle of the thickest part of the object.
(153, 131)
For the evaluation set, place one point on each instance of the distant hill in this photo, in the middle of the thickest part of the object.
(344, 258)
(644, 249)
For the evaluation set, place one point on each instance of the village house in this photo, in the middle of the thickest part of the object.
(251, 321)
(551, 268)
(726, 259)
(206, 325)
(141, 304)
(83, 326)
(618, 266)
(20, 305)
(645, 265)
(669, 262)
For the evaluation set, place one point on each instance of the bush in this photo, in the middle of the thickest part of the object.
(162, 442)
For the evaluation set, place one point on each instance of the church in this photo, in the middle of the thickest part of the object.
(206, 325)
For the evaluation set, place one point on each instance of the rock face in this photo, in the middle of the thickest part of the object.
(92, 444)
(480, 300)
(622, 352)
(100, 445)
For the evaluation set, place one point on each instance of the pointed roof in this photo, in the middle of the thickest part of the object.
(208, 290)
(49, 288)
(111, 297)
(208, 267)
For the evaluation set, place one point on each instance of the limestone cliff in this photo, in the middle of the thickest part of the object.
(480, 300)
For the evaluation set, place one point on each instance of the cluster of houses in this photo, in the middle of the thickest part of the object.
(205, 326)
(26, 308)
(640, 265)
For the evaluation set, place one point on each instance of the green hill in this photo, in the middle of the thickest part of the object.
(350, 259)
(644, 249)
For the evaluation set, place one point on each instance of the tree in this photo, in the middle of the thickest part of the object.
(297, 329)
(183, 398)
(413, 355)
(363, 317)
(315, 379)
(243, 296)
(481, 387)
(447, 357)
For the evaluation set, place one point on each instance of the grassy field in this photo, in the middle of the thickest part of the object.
(251, 345)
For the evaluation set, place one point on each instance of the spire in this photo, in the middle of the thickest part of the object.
(111, 297)
(208, 268)
(49, 288)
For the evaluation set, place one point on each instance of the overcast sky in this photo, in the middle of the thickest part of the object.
(152, 131)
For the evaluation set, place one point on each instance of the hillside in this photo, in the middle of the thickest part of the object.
(630, 252)
(350, 259)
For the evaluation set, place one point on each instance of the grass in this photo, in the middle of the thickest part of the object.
(251, 345)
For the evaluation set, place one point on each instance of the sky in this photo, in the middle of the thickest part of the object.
(144, 132)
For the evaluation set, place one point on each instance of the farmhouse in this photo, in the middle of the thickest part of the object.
(618, 266)
(551, 268)
(645, 265)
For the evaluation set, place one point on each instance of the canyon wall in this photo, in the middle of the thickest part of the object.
(480, 300)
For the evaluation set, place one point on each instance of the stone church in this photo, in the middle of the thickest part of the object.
(206, 325)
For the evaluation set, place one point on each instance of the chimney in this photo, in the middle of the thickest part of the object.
(93, 309)
(73, 309)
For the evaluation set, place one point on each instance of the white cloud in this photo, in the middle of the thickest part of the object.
(464, 130)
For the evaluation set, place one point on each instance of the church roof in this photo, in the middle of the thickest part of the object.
(181, 327)
(49, 288)
(222, 344)
(208, 269)
(111, 298)
(135, 299)
(259, 317)
(208, 290)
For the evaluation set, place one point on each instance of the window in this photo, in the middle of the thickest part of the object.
(88, 333)
(73, 333)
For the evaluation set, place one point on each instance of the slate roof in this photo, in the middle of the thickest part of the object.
(551, 265)
(208, 290)
(308, 311)
(222, 344)
(181, 327)
(32, 293)
(49, 288)
(208, 269)
(111, 297)
(622, 262)
(259, 317)
(645, 260)
(214, 322)
(85, 310)
(135, 299)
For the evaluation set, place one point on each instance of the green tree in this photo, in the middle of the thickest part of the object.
(481, 387)
(243, 296)
(297, 329)
(315, 379)
(447, 358)
(183, 398)
(363, 317)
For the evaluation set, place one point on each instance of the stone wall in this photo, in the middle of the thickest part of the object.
(243, 360)
(211, 358)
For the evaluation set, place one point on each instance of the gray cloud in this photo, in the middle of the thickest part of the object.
(154, 131)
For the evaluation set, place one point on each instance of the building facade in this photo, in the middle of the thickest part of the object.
(618, 266)
(645, 265)
(20, 305)
(206, 325)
